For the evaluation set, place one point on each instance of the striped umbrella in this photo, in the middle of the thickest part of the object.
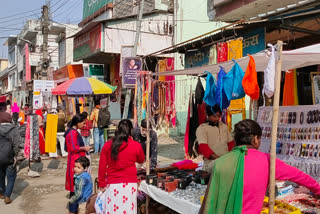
(83, 86)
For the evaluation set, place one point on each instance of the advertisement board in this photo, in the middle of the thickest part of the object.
(130, 67)
(91, 6)
(43, 85)
(87, 43)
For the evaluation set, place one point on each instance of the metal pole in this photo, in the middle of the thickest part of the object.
(276, 101)
(134, 54)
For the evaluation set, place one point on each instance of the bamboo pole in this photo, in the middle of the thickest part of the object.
(276, 100)
(148, 136)
(250, 108)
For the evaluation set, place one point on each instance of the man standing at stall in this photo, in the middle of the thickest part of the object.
(98, 132)
(139, 134)
(213, 137)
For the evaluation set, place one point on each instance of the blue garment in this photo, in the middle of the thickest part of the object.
(98, 134)
(11, 173)
(232, 83)
(82, 191)
(210, 92)
(221, 97)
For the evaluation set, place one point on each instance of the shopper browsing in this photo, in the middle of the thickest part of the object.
(240, 178)
(83, 186)
(85, 131)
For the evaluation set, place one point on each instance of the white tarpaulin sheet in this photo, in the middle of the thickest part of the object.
(293, 59)
(176, 204)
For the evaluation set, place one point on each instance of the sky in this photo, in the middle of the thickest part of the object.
(14, 13)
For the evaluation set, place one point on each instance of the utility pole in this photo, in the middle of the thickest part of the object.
(133, 54)
(45, 32)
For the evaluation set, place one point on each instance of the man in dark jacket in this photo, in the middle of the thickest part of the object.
(140, 135)
(10, 144)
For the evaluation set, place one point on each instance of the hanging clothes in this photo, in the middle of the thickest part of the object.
(290, 90)
(51, 133)
(41, 131)
(269, 74)
(162, 68)
(250, 80)
(186, 134)
(202, 113)
(235, 49)
(222, 52)
(27, 139)
(221, 97)
(232, 83)
(210, 92)
(34, 134)
(199, 92)
(213, 55)
(194, 124)
(170, 94)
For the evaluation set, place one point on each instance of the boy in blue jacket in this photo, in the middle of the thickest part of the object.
(83, 186)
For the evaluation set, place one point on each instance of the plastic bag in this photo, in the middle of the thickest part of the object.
(210, 92)
(232, 83)
(100, 204)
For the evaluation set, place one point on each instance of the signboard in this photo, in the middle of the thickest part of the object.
(91, 6)
(61, 74)
(126, 51)
(130, 67)
(87, 43)
(26, 64)
(197, 58)
(96, 70)
(254, 41)
(43, 85)
(37, 101)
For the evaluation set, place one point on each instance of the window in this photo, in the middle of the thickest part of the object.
(12, 56)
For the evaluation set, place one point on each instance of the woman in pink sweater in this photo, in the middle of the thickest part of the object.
(255, 174)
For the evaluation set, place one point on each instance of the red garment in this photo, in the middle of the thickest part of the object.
(122, 170)
(231, 145)
(222, 52)
(186, 135)
(205, 150)
(42, 143)
(185, 164)
(85, 131)
(202, 113)
(73, 149)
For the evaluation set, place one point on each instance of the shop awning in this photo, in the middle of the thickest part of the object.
(293, 59)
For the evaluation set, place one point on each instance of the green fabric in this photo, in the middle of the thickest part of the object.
(226, 188)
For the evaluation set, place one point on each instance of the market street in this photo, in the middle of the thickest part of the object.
(47, 194)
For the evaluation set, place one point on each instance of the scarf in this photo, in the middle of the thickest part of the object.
(226, 184)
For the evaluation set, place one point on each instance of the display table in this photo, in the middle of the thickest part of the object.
(176, 204)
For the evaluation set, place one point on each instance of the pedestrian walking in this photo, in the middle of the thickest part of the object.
(85, 131)
(10, 144)
(117, 172)
(75, 148)
(83, 186)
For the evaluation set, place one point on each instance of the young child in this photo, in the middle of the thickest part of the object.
(82, 186)
(85, 131)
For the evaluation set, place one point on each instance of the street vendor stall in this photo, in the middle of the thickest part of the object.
(282, 61)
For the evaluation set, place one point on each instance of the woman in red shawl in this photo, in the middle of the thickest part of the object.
(75, 148)
(42, 143)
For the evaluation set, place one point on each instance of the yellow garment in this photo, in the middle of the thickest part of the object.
(162, 68)
(235, 49)
(290, 91)
(51, 133)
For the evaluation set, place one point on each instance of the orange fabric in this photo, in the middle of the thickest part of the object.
(21, 114)
(290, 92)
(250, 80)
